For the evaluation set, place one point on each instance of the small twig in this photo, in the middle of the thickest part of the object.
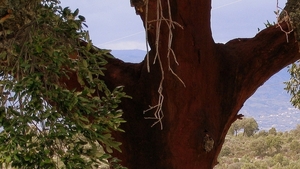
(7, 16)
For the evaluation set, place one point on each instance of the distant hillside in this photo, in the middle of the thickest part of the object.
(269, 106)
(133, 56)
(264, 150)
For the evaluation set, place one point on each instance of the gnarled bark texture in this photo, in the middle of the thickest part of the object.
(219, 78)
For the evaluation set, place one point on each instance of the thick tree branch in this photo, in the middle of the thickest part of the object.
(255, 60)
(241, 66)
(248, 63)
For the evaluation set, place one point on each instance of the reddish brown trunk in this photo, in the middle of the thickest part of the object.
(218, 78)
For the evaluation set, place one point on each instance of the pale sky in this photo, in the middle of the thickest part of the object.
(113, 24)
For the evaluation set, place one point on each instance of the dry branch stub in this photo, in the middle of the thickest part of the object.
(138, 5)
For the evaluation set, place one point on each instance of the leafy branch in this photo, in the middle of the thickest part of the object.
(45, 122)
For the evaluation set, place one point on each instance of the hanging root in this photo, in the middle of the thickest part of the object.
(291, 16)
(158, 114)
(284, 17)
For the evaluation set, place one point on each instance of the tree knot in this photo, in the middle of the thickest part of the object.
(208, 143)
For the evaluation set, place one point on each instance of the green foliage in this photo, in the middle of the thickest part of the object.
(272, 131)
(262, 133)
(274, 142)
(249, 166)
(296, 131)
(45, 122)
(293, 85)
(235, 127)
(259, 146)
(225, 151)
(293, 9)
(295, 146)
(264, 150)
(248, 125)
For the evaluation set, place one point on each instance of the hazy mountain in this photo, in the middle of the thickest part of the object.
(133, 56)
(269, 105)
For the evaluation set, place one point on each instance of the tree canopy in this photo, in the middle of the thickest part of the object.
(249, 127)
(45, 121)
